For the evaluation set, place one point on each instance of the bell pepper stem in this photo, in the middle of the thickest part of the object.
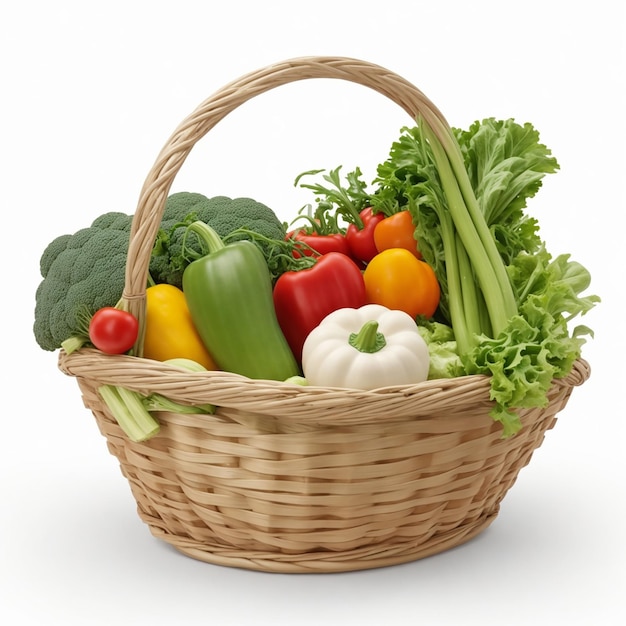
(207, 235)
(368, 339)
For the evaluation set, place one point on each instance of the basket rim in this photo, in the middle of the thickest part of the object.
(289, 401)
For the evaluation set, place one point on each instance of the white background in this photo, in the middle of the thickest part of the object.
(90, 93)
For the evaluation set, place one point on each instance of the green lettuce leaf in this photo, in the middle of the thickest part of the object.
(445, 361)
(506, 163)
(537, 345)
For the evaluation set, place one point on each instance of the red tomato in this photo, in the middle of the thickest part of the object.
(113, 331)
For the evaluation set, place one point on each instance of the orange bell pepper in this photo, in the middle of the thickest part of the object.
(397, 231)
(397, 279)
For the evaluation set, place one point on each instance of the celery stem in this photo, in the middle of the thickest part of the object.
(129, 412)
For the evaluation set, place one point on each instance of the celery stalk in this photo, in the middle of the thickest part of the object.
(490, 271)
(157, 402)
(129, 412)
(471, 300)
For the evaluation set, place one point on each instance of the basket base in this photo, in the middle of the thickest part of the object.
(243, 488)
(371, 557)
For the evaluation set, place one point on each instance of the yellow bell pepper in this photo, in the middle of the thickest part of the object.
(169, 329)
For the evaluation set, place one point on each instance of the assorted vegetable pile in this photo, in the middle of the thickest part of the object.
(433, 270)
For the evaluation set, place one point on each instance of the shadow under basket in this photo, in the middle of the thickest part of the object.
(290, 478)
(285, 478)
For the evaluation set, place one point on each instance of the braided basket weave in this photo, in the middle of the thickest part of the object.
(286, 478)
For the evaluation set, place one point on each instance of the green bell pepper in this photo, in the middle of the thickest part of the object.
(229, 295)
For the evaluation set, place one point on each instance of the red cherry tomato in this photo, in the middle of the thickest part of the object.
(113, 331)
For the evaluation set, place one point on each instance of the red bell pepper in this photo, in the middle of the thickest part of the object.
(303, 298)
(360, 239)
(320, 243)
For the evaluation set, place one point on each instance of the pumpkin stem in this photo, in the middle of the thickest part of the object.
(368, 339)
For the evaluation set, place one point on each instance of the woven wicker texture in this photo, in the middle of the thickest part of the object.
(287, 478)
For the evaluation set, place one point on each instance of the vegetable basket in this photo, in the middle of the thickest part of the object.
(290, 478)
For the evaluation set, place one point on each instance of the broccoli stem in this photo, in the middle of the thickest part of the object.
(71, 344)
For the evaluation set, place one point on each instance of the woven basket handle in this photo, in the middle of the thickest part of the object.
(155, 191)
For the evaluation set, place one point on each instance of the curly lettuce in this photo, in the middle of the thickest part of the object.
(508, 303)
(537, 345)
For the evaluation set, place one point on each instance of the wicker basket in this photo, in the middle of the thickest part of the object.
(286, 478)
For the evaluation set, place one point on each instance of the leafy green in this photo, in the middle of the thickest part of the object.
(445, 361)
(508, 303)
(335, 200)
(506, 162)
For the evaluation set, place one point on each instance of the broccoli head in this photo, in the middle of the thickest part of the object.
(85, 271)
(225, 215)
(81, 273)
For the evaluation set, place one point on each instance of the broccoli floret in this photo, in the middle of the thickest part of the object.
(179, 205)
(113, 220)
(81, 273)
(223, 214)
(85, 271)
(52, 251)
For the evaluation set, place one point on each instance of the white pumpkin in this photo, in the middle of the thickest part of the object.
(365, 348)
